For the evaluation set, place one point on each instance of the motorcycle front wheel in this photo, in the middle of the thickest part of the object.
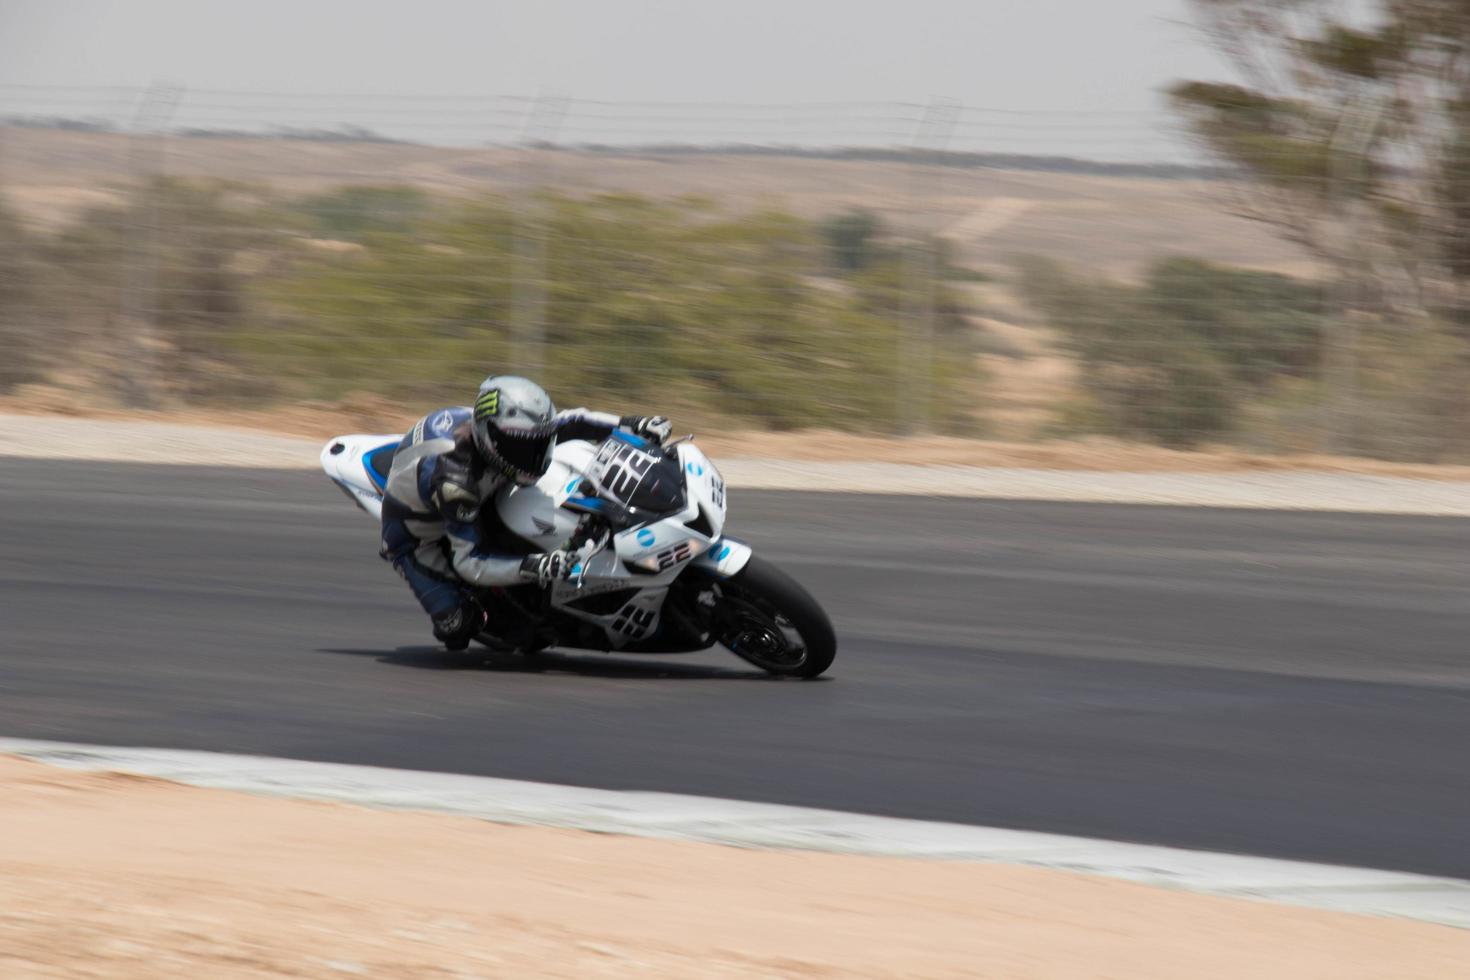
(766, 618)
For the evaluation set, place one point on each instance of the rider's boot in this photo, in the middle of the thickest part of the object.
(457, 627)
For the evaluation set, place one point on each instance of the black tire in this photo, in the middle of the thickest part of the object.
(759, 591)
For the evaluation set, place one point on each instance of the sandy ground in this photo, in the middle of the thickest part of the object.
(831, 461)
(323, 421)
(105, 875)
(990, 215)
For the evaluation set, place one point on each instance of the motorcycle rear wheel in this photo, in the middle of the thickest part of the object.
(768, 619)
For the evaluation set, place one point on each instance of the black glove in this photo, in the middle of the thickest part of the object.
(654, 427)
(544, 569)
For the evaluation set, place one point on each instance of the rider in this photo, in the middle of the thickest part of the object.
(448, 466)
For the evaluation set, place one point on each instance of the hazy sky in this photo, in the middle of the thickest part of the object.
(1086, 56)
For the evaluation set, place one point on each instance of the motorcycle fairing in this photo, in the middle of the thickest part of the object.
(645, 557)
(348, 460)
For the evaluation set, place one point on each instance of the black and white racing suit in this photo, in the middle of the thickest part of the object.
(433, 531)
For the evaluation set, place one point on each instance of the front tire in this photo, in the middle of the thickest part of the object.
(768, 619)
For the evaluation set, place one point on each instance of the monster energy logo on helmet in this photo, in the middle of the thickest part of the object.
(488, 404)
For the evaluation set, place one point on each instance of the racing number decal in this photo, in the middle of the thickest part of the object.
(623, 468)
(682, 551)
(619, 483)
(717, 491)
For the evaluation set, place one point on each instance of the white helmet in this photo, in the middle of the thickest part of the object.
(515, 427)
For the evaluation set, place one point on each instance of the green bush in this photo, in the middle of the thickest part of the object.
(25, 316)
(1173, 360)
(1259, 324)
(356, 213)
(176, 257)
(642, 302)
(852, 240)
(191, 290)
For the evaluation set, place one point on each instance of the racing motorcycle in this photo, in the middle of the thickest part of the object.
(656, 572)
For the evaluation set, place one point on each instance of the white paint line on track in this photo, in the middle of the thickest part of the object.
(1440, 900)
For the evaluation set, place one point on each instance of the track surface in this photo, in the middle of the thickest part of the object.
(1284, 684)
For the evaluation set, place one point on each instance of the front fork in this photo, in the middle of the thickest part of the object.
(700, 614)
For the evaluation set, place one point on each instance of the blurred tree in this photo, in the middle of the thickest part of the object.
(1353, 126)
(1454, 184)
(852, 240)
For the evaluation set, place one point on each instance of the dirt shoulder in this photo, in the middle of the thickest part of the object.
(321, 422)
(121, 876)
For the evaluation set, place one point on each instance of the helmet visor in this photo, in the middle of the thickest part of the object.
(525, 454)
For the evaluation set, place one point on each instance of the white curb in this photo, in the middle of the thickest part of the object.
(1440, 900)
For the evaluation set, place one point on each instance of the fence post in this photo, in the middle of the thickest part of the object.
(139, 340)
(1346, 156)
(915, 411)
(529, 252)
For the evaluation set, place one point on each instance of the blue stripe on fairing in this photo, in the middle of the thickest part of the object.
(630, 439)
(367, 464)
(591, 503)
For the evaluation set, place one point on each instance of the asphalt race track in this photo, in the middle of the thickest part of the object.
(1286, 684)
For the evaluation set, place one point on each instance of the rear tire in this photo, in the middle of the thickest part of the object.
(762, 607)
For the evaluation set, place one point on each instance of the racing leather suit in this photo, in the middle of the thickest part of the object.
(433, 531)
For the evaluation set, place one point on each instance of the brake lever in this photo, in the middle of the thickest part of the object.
(579, 570)
(579, 539)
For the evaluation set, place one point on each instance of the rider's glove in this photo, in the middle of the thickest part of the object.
(544, 569)
(655, 427)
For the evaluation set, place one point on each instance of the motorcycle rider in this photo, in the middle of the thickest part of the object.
(449, 466)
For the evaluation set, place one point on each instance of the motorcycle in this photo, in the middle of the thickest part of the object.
(656, 572)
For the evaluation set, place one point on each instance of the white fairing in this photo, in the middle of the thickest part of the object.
(725, 558)
(704, 484)
(535, 513)
(659, 551)
(343, 458)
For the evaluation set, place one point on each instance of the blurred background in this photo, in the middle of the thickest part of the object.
(1211, 254)
(1276, 262)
